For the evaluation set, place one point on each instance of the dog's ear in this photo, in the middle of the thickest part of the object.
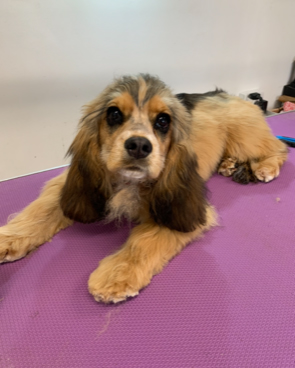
(84, 194)
(178, 198)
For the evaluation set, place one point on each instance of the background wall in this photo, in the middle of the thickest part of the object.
(58, 54)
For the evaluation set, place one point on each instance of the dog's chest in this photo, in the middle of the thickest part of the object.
(125, 202)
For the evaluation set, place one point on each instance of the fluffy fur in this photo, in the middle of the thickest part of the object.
(144, 153)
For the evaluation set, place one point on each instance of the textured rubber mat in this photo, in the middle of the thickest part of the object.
(228, 300)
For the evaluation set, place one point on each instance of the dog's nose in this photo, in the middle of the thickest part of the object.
(138, 147)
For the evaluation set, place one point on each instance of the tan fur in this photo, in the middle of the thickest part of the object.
(36, 224)
(142, 91)
(237, 130)
(148, 249)
(124, 102)
(164, 193)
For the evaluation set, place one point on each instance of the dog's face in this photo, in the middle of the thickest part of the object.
(135, 137)
(136, 126)
(135, 131)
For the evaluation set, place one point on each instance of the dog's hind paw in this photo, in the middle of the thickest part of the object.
(227, 167)
(266, 174)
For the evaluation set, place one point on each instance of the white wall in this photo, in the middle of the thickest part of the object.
(58, 54)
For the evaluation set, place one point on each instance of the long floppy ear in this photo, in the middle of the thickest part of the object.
(84, 194)
(178, 199)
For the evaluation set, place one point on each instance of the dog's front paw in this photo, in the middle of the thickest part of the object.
(12, 247)
(116, 279)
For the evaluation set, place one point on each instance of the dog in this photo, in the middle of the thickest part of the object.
(145, 154)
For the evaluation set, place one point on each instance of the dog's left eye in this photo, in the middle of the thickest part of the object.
(162, 122)
(114, 116)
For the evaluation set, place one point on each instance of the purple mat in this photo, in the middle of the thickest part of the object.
(227, 300)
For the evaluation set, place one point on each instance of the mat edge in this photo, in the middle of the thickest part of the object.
(35, 172)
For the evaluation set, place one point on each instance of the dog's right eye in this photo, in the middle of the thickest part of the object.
(114, 116)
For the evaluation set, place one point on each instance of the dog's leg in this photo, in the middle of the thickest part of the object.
(36, 224)
(265, 168)
(251, 141)
(147, 250)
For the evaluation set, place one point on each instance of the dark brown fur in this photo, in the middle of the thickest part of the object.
(84, 195)
(178, 198)
(244, 174)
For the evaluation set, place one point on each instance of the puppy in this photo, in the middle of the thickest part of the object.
(144, 154)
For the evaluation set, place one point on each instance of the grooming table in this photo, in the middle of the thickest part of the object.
(228, 300)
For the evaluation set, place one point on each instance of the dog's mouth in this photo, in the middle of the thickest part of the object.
(133, 172)
(134, 168)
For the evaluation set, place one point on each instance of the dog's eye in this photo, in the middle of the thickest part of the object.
(114, 116)
(162, 122)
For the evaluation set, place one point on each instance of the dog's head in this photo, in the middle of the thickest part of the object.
(138, 131)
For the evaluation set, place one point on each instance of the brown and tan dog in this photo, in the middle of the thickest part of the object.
(143, 153)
